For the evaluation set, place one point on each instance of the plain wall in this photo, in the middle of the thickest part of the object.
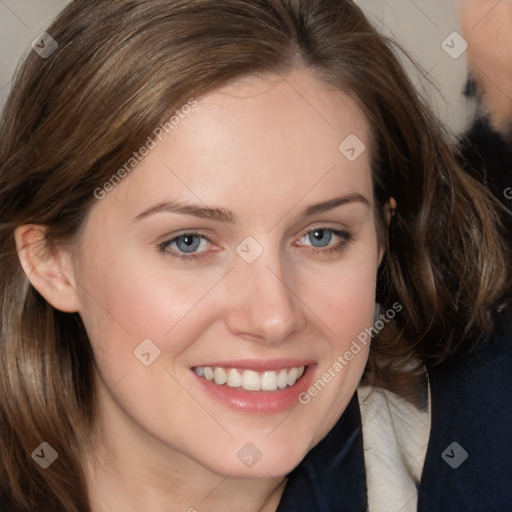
(420, 27)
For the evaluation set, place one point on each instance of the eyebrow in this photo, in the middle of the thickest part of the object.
(334, 203)
(224, 215)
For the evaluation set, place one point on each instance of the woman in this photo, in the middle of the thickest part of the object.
(208, 209)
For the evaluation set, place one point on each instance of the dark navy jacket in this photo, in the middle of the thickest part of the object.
(471, 405)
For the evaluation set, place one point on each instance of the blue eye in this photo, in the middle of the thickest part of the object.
(321, 240)
(320, 237)
(185, 246)
(187, 243)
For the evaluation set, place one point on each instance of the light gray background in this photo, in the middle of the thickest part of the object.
(420, 26)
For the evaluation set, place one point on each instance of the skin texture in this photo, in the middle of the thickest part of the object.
(487, 27)
(264, 148)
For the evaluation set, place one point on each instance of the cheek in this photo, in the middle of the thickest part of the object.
(345, 302)
(133, 298)
(127, 304)
(344, 296)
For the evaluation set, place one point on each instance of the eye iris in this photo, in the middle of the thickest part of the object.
(322, 236)
(187, 243)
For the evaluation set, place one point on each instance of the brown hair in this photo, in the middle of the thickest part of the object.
(73, 118)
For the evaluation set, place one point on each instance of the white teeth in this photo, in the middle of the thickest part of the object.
(250, 380)
(234, 378)
(269, 381)
(220, 376)
(293, 373)
(282, 379)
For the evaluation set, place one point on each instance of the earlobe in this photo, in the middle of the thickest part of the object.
(389, 212)
(48, 269)
(390, 208)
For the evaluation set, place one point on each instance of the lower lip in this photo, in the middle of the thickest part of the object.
(263, 402)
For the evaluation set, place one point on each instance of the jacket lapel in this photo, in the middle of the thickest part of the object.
(331, 478)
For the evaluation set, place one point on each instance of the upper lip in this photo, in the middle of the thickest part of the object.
(259, 365)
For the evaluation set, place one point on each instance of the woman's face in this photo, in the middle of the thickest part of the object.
(243, 246)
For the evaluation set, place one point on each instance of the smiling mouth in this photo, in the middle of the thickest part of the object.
(249, 380)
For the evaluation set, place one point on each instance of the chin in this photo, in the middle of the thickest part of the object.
(249, 462)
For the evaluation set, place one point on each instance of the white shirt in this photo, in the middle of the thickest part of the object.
(395, 439)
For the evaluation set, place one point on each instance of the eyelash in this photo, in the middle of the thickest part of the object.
(346, 238)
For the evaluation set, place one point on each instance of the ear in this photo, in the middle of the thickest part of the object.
(389, 211)
(390, 208)
(48, 269)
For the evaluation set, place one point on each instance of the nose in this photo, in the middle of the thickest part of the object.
(264, 307)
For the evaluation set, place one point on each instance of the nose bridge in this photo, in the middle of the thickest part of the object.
(264, 305)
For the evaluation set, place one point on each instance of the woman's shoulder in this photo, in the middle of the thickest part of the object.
(385, 454)
(469, 457)
(455, 454)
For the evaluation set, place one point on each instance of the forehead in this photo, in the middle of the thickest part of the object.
(286, 136)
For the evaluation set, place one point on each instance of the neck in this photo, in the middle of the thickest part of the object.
(145, 490)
